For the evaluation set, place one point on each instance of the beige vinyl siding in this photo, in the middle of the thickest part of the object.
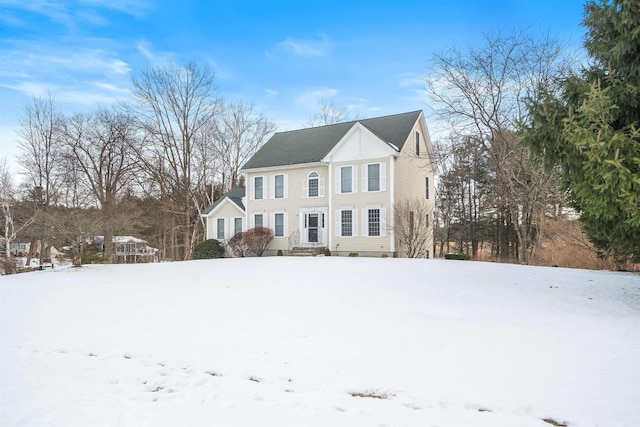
(359, 201)
(229, 211)
(411, 171)
(295, 181)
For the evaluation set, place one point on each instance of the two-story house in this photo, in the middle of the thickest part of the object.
(333, 186)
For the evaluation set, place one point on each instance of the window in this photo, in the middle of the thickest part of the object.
(373, 174)
(258, 220)
(258, 187)
(346, 179)
(417, 144)
(279, 186)
(374, 222)
(347, 223)
(313, 184)
(220, 232)
(279, 224)
(237, 225)
(427, 187)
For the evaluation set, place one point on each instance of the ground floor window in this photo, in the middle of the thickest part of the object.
(279, 225)
(220, 231)
(258, 220)
(347, 223)
(374, 222)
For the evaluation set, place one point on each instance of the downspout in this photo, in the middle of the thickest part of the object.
(391, 220)
(328, 225)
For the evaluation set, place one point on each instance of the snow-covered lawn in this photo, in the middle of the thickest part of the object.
(320, 341)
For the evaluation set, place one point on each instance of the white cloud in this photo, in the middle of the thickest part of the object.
(271, 92)
(306, 48)
(311, 100)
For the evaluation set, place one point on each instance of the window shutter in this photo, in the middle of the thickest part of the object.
(272, 190)
(383, 222)
(320, 187)
(354, 179)
(338, 174)
(251, 189)
(286, 186)
(383, 177)
(338, 221)
(272, 219)
(305, 188)
(285, 224)
(365, 178)
(365, 222)
(354, 218)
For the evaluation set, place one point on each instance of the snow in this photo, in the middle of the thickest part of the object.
(319, 341)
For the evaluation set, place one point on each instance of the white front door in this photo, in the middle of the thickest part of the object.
(313, 227)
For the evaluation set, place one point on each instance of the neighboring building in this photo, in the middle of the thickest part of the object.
(128, 249)
(332, 186)
(20, 247)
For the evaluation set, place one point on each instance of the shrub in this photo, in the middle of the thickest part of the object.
(258, 239)
(280, 252)
(8, 266)
(208, 249)
(464, 257)
(327, 252)
(238, 246)
(353, 254)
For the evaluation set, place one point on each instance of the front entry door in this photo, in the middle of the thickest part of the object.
(312, 227)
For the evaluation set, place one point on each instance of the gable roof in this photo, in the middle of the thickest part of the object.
(235, 195)
(311, 145)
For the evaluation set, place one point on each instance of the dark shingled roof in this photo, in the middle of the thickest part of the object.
(313, 144)
(235, 195)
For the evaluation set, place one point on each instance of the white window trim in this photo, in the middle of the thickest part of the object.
(285, 184)
(285, 224)
(224, 231)
(354, 179)
(383, 221)
(383, 177)
(264, 187)
(242, 227)
(305, 187)
(354, 222)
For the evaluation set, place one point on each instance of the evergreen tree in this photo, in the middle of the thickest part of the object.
(587, 126)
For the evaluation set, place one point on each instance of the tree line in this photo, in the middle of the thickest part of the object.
(148, 166)
(535, 130)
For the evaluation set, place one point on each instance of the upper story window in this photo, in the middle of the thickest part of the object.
(258, 187)
(417, 143)
(373, 177)
(346, 179)
(314, 184)
(279, 186)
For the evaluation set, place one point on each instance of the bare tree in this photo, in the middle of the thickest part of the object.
(412, 229)
(172, 104)
(239, 133)
(329, 114)
(99, 145)
(40, 159)
(11, 226)
(482, 93)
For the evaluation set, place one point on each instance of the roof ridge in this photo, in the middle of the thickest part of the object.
(349, 121)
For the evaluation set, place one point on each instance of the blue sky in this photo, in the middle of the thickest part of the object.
(283, 56)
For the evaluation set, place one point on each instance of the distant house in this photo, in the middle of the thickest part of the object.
(128, 249)
(20, 247)
(332, 186)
